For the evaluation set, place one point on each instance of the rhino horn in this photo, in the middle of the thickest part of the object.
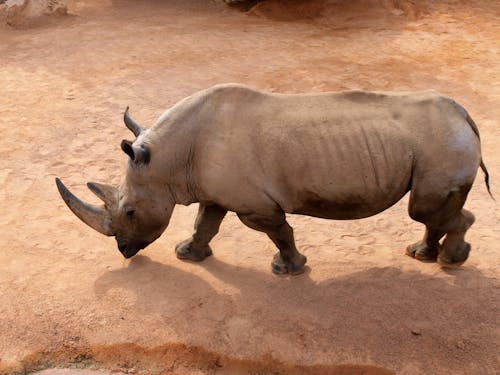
(133, 125)
(95, 217)
(108, 194)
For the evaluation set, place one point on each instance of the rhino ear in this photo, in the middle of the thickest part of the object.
(108, 194)
(138, 154)
(127, 148)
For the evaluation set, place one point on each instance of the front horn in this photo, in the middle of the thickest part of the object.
(95, 217)
(133, 125)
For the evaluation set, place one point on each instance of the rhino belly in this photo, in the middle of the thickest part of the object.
(345, 207)
(354, 195)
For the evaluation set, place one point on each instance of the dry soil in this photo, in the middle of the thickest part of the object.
(67, 297)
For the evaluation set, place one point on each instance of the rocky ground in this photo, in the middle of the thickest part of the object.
(26, 13)
(68, 298)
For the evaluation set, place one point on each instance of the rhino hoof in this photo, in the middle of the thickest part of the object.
(280, 267)
(456, 258)
(421, 251)
(186, 251)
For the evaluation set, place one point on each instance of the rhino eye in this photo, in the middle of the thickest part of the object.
(130, 213)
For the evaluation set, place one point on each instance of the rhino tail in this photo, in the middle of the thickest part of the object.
(475, 129)
(486, 178)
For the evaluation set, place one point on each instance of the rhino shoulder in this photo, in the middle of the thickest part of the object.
(231, 93)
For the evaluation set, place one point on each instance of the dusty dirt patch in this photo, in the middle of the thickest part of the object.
(65, 289)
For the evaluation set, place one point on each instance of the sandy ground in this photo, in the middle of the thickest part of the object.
(67, 297)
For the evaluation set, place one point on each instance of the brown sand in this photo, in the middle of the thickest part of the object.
(67, 297)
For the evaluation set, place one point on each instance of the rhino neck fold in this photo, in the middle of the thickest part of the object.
(182, 194)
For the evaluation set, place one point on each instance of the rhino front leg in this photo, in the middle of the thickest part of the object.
(206, 226)
(288, 259)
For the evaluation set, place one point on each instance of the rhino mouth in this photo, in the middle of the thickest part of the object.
(127, 254)
(129, 250)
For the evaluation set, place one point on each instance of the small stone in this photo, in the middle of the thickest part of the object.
(218, 362)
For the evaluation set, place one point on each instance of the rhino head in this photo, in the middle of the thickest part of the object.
(137, 212)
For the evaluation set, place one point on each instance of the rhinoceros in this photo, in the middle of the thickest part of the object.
(337, 155)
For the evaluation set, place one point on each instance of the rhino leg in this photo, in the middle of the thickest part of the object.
(288, 259)
(208, 220)
(442, 214)
(455, 249)
(428, 248)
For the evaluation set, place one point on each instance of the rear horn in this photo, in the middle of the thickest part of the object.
(133, 125)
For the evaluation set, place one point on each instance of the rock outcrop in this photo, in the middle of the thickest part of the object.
(18, 13)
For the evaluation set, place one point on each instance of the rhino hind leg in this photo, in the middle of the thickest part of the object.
(442, 214)
(426, 250)
(288, 259)
(196, 248)
(455, 249)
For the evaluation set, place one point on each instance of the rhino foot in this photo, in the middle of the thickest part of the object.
(185, 250)
(423, 252)
(295, 267)
(454, 258)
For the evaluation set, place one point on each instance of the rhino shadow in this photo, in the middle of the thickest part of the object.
(381, 313)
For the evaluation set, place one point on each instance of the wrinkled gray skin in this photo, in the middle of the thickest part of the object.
(345, 155)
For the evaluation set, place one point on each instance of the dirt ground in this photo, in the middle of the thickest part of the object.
(68, 298)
